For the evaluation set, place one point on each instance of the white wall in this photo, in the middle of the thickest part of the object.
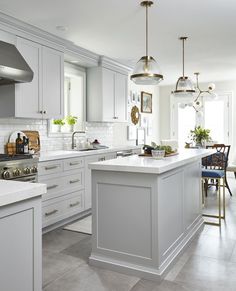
(120, 129)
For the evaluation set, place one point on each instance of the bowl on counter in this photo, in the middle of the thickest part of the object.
(158, 154)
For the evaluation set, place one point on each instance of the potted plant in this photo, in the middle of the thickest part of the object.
(71, 121)
(57, 124)
(200, 135)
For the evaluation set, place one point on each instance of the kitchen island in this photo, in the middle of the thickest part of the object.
(145, 211)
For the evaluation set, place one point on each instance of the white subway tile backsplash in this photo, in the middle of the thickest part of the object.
(101, 131)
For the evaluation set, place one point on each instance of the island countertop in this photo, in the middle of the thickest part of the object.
(150, 165)
(13, 191)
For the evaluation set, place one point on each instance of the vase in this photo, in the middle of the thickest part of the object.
(56, 128)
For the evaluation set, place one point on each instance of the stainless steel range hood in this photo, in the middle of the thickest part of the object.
(13, 67)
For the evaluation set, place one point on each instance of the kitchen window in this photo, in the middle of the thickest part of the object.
(217, 116)
(74, 98)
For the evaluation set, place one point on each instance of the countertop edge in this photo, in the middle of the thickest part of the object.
(15, 193)
(102, 166)
(73, 154)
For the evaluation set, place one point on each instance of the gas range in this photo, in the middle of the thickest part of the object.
(19, 168)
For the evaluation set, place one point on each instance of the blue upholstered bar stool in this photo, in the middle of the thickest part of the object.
(214, 174)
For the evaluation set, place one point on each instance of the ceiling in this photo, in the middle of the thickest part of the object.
(116, 29)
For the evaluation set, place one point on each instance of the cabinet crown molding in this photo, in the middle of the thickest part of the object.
(114, 65)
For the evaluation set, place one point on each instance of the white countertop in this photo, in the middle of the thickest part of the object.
(149, 164)
(55, 155)
(13, 191)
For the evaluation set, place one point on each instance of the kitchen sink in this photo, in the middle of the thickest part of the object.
(86, 150)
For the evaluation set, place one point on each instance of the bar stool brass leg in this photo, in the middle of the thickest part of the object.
(219, 202)
(223, 198)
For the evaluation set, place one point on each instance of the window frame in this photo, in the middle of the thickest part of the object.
(200, 120)
(74, 70)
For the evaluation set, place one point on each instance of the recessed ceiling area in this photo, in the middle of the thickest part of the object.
(117, 29)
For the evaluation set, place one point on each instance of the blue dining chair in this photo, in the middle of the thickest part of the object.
(214, 174)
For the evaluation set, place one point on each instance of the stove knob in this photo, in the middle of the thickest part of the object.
(27, 171)
(6, 175)
(17, 172)
(34, 169)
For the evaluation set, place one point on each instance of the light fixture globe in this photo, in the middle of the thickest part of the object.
(146, 72)
(184, 87)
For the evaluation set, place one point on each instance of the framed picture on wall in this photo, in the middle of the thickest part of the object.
(146, 102)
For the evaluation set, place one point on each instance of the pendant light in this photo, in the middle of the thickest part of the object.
(146, 71)
(184, 85)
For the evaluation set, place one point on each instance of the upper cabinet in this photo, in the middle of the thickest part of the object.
(53, 83)
(43, 97)
(106, 95)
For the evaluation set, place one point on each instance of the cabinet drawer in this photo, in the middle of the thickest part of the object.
(74, 204)
(75, 180)
(52, 213)
(62, 207)
(47, 168)
(55, 187)
(74, 163)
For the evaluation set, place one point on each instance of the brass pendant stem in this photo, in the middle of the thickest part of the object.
(183, 58)
(183, 38)
(146, 30)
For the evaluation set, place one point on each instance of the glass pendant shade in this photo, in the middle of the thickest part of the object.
(184, 87)
(146, 72)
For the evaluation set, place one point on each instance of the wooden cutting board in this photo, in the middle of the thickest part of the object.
(34, 139)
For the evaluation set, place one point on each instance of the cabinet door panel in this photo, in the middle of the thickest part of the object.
(120, 97)
(52, 83)
(16, 251)
(28, 99)
(108, 95)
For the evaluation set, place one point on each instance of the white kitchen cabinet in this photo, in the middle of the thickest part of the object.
(88, 190)
(53, 83)
(106, 95)
(65, 189)
(21, 247)
(28, 99)
(43, 97)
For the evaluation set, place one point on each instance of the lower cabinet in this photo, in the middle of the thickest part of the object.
(21, 246)
(68, 186)
(88, 189)
(65, 189)
(62, 207)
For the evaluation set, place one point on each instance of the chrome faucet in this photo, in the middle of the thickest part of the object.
(73, 138)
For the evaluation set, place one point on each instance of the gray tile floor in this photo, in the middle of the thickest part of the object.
(208, 264)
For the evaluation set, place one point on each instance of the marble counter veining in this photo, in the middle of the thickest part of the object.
(55, 155)
(13, 191)
(149, 164)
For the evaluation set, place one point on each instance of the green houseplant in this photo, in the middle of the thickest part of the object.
(71, 121)
(200, 135)
(57, 124)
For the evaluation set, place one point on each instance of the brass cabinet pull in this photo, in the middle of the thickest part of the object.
(74, 204)
(52, 187)
(51, 167)
(102, 159)
(74, 163)
(51, 212)
(74, 181)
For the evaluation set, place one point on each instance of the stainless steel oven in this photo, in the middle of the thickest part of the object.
(19, 168)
